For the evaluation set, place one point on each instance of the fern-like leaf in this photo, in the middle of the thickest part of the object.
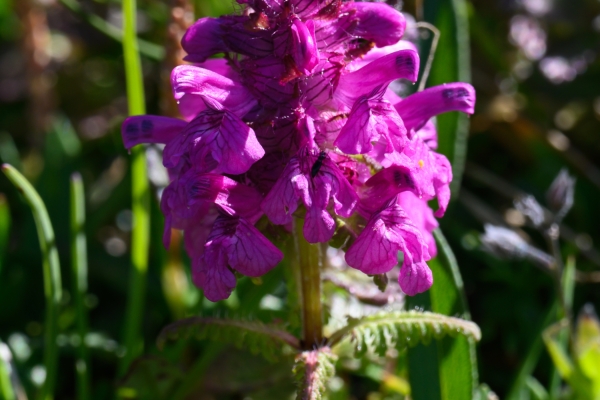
(257, 337)
(381, 331)
(312, 371)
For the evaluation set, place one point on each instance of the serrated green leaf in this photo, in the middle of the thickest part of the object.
(257, 337)
(312, 371)
(378, 332)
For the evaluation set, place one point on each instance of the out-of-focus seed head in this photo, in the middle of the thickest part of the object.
(530, 207)
(560, 194)
(504, 243)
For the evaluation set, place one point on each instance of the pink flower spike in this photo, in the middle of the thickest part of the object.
(375, 251)
(236, 244)
(215, 141)
(418, 108)
(150, 129)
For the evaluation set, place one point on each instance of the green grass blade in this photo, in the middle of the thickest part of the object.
(140, 236)
(531, 359)
(52, 278)
(451, 64)
(148, 49)
(79, 272)
(452, 367)
(4, 228)
(6, 390)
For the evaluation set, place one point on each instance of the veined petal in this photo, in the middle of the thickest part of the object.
(419, 107)
(376, 248)
(403, 64)
(234, 243)
(233, 197)
(215, 141)
(150, 129)
(282, 200)
(422, 216)
(211, 274)
(194, 86)
(371, 119)
(379, 23)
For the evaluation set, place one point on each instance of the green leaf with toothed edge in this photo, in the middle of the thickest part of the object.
(269, 341)
(379, 332)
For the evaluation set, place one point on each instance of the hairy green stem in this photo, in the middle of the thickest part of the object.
(140, 235)
(309, 265)
(52, 278)
(79, 270)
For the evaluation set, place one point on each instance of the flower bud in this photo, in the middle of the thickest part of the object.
(529, 206)
(560, 194)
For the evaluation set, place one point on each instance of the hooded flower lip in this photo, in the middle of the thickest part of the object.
(150, 129)
(403, 64)
(375, 250)
(193, 87)
(312, 177)
(418, 108)
(215, 141)
(233, 244)
(379, 23)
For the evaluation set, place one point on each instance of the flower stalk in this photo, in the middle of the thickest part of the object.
(309, 270)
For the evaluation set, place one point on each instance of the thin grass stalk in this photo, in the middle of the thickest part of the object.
(140, 235)
(79, 272)
(52, 278)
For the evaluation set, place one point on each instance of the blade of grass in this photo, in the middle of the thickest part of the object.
(52, 278)
(449, 364)
(4, 228)
(451, 64)
(6, 390)
(148, 49)
(140, 236)
(79, 272)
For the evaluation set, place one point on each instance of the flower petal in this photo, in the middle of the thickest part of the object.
(194, 86)
(203, 39)
(403, 64)
(376, 248)
(282, 200)
(371, 119)
(419, 107)
(210, 273)
(379, 23)
(150, 129)
(304, 46)
(215, 137)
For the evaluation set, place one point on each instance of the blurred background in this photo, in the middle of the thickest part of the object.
(535, 65)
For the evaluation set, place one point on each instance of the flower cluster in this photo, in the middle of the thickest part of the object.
(299, 113)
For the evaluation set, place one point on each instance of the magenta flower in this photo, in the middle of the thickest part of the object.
(299, 114)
